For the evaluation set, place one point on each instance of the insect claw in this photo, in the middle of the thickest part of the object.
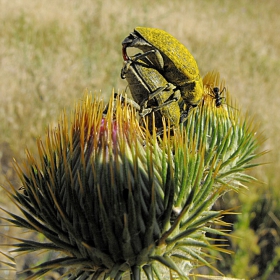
(145, 111)
(184, 116)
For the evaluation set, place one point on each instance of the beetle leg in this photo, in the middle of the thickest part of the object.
(168, 102)
(123, 100)
(125, 68)
(174, 97)
(144, 104)
(145, 109)
(142, 55)
(184, 115)
(158, 62)
(129, 61)
(129, 101)
(155, 93)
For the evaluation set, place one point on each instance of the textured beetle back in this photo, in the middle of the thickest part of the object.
(172, 48)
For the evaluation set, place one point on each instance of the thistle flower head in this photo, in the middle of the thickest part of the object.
(112, 198)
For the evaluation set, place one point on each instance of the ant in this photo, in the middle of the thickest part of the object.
(216, 94)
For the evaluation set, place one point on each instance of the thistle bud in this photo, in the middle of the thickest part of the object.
(114, 199)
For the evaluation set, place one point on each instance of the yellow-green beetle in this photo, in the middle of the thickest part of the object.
(153, 93)
(171, 58)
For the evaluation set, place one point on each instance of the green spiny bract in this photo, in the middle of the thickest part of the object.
(113, 199)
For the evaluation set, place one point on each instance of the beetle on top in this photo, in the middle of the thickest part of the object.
(170, 58)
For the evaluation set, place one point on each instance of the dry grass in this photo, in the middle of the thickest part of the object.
(51, 51)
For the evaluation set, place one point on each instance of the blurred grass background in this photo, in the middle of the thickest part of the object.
(51, 51)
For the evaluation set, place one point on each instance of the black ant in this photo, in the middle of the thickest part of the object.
(216, 94)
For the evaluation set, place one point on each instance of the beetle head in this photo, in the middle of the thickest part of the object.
(133, 40)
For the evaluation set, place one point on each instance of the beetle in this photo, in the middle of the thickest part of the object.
(153, 93)
(216, 95)
(171, 58)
